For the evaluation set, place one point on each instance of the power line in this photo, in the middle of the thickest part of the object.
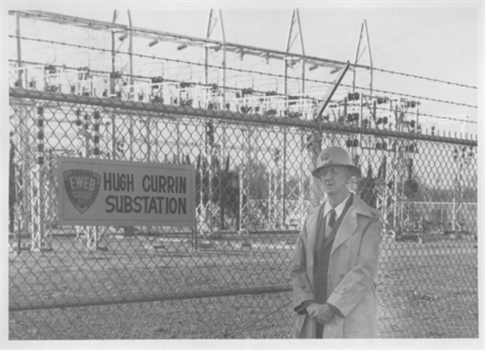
(247, 71)
(253, 72)
(110, 26)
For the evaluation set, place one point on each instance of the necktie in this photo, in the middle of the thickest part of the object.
(331, 219)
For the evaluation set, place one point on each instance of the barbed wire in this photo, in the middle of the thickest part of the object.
(245, 71)
(178, 36)
(424, 78)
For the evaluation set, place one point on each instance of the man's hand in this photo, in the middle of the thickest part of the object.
(321, 313)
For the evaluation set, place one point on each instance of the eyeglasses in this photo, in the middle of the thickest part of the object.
(329, 171)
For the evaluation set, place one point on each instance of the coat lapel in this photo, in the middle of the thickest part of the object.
(349, 223)
(313, 227)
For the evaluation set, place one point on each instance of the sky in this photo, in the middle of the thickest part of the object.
(436, 40)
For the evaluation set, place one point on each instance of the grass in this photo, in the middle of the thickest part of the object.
(424, 290)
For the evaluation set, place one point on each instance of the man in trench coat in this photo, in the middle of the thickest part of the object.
(335, 258)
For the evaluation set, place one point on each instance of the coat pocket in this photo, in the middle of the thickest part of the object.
(353, 327)
(361, 321)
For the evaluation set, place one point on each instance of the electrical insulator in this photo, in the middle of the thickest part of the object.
(353, 96)
(120, 145)
(277, 155)
(245, 109)
(365, 123)
(381, 100)
(352, 143)
(308, 141)
(210, 133)
(379, 121)
(411, 104)
(247, 91)
(385, 120)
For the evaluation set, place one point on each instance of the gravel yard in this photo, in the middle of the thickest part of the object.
(424, 290)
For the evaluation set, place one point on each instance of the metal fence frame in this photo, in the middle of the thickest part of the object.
(19, 96)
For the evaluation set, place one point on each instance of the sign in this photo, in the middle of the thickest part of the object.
(118, 193)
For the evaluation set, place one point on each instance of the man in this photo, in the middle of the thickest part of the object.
(335, 259)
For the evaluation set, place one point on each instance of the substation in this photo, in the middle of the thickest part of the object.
(102, 61)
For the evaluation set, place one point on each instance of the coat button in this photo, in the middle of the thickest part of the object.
(344, 246)
(342, 275)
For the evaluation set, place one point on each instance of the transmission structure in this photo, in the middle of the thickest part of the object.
(214, 74)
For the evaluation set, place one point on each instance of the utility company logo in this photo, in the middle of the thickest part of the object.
(325, 157)
(82, 187)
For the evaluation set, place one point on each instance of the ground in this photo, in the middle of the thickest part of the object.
(424, 290)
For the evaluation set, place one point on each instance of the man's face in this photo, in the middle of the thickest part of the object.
(334, 179)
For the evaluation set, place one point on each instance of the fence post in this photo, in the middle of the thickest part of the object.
(39, 242)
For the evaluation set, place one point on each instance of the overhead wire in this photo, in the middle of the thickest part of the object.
(127, 29)
(255, 72)
(423, 78)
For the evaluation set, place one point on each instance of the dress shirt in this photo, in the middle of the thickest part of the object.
(338, 209)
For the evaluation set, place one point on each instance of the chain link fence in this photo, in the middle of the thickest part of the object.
(228, 277)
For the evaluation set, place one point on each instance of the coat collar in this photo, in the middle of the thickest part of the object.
(349, 223)
(347, 227)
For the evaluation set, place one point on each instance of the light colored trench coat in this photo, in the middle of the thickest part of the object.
(351, 273)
